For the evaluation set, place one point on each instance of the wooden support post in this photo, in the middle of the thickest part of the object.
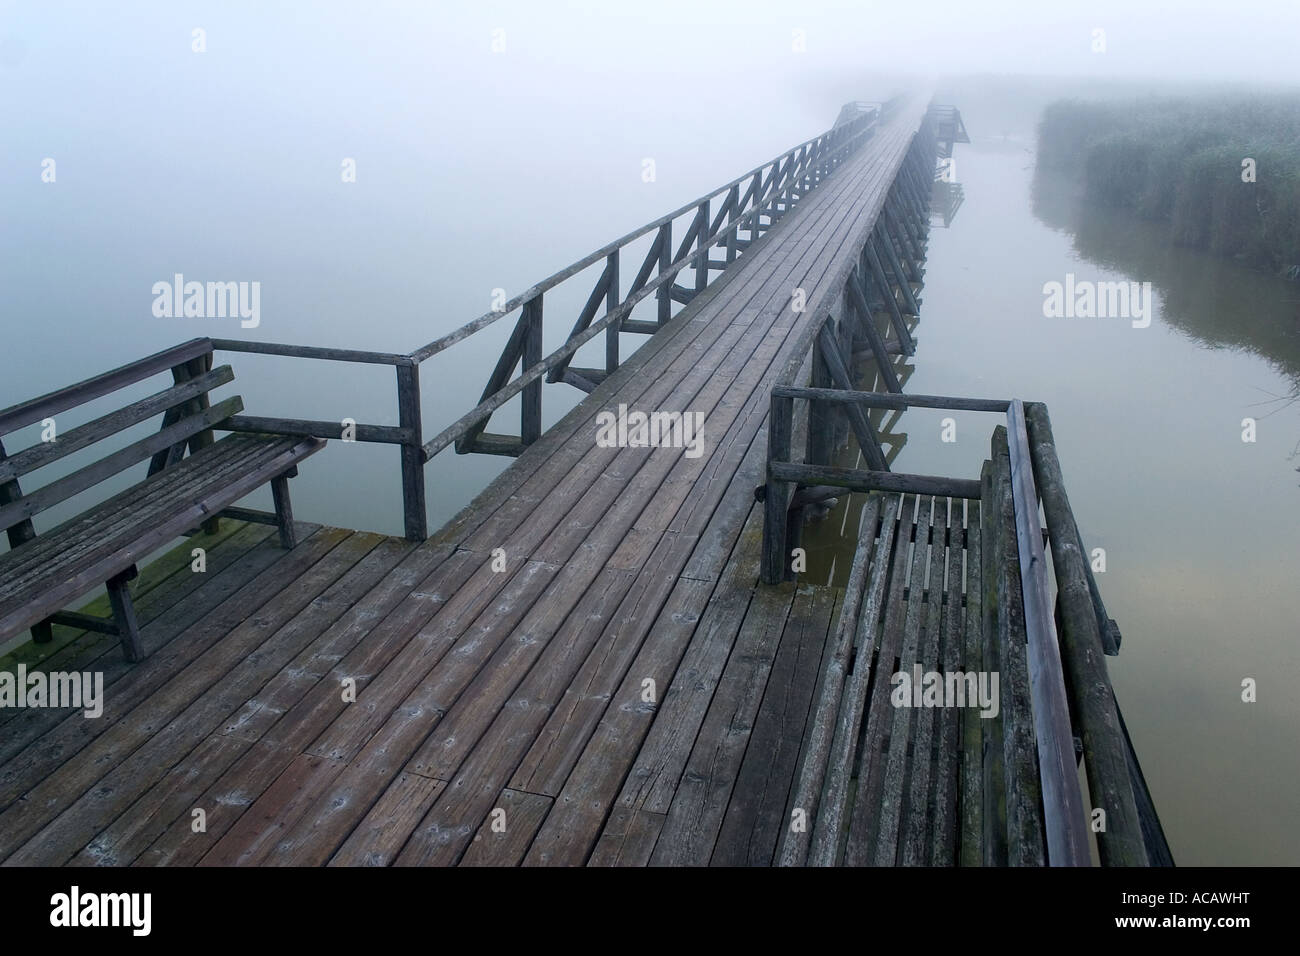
(923, 179)
(920, 186)
(902, 189)
(530, 412)
(918, 213)
(897, 228)
(284, 508)
(817, 450)
(198, 367)
(891, 302)
(781, 180)
(911, 193)
(128, 628)
(894, 237)
(414, 513)
(776, 502)
(863, 430)
(182, 373)
(844, 333)
(993, 838)
(702, 245)
(611, 303)
(22, 532)
(166, 457)
(905, 216)
(733, 221)
(884, 364)
(904, 286)
(664, 292)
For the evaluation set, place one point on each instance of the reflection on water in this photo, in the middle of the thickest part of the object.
(1200, 528)
(1215, 301)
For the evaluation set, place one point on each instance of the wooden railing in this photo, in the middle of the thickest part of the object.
(1070, 689)
(742, 205)
(730, 218)
(408, 434)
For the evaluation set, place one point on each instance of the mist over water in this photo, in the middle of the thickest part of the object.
(471, 176)
(478, 171)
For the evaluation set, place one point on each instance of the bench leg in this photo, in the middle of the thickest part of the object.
(283, 508)
(43, 631)
(119, 596)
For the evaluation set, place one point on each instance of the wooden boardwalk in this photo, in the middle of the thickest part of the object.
(601, 691)
(583, 667)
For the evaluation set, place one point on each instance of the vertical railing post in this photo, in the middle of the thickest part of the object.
(818, 448)
(664, 292)
(611, 303)
(779, 197)
(530, 412)
(733, 220)
(776, 502)
(702, 244)
(414, 513)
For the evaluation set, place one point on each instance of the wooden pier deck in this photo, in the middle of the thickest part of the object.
(581, 668)
(600, 690)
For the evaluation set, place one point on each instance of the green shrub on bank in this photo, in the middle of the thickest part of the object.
(1179, 162)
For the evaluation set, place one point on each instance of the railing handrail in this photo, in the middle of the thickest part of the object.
(848, 130)
(490, 404)
(359, 356)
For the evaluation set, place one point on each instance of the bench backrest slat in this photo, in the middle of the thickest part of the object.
(38, 409)
(56, 491)
(65, 443)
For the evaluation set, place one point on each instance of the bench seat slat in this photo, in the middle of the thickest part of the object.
(80, 535)
(62, 489)
(104, 518)
(173, 506)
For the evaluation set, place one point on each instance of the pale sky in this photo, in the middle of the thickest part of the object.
(733, 40)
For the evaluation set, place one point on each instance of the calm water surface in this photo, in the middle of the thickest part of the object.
(1201, 530)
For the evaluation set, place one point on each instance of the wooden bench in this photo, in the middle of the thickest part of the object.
(42, 574)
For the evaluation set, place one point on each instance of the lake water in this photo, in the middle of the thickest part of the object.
(1201, 530)
(473, 177)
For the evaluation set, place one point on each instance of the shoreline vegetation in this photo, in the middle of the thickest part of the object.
(1180, 162)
